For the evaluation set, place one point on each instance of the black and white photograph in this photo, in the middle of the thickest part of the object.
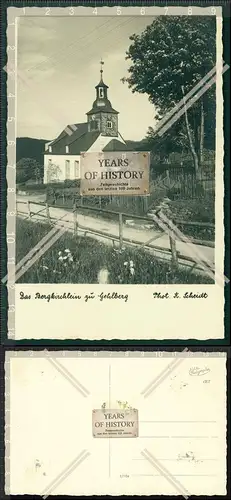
(135, 95)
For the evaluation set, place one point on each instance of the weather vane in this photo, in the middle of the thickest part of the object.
(101, 64)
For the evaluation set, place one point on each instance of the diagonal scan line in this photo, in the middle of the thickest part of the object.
(190, 103)
(29, 255)
(194, 254)
(182, 105)
(40, 253)
(192, 247)
(65, 473)
(162, 376)
(166, 473)
(61, 369)
(188, 95)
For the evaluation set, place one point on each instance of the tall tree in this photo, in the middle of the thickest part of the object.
(28, 168)
(168, 59)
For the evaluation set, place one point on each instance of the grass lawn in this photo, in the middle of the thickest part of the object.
(79, 260)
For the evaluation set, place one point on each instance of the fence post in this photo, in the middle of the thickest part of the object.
(48, 214)
(121, 230)
(75, 219)
(174, 261)
(146, 203)
(28, 209)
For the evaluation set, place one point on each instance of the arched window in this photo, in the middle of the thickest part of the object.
(101, 92)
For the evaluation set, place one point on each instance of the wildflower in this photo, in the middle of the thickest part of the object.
(61, 258)
(131, 263)
(60, 253)
(67, 250)
(132, 271)
(103, 275)
(45, 267)
(125, 263)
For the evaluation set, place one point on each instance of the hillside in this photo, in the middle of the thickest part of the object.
(26, 147)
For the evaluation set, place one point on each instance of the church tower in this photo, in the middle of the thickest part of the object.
(102, 117)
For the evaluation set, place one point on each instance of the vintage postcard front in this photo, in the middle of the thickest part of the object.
(115, 173)
(87, 428)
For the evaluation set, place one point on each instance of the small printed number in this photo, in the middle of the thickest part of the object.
(118, 11)
(11, 95)
(142, 11)
(190, 11)
(126, 354)
(10, 239)
(47, 11)
(31, 354)
(165, 11)
(11, 47)
(11, 308)
(11, 118)
(213, 10)
(11, 214)
(71, 11)
(11, 166)
(95, 11)
(11, 190)
(11, 143)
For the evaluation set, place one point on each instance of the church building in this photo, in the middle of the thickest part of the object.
(99, 133)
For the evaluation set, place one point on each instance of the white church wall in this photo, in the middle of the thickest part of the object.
(60, 170)
(102, 141)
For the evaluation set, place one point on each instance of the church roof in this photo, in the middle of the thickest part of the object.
(101, 84)
(99, 109)
(78, 142)
(83, 143)
(115, 145)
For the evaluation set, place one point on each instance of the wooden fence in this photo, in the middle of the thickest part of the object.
(177, 183)
(176, 257)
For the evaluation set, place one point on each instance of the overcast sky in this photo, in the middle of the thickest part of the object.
(58, 60)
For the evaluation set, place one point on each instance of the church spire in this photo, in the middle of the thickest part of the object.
(101, 69)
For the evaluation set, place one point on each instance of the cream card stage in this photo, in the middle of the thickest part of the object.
(115, 423)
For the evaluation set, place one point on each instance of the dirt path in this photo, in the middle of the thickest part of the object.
(111, 228)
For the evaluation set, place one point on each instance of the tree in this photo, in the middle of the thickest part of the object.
(53, 173)
(28, 168)
(168, 59)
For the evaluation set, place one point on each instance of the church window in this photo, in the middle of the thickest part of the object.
(101, 92)
(109, 124)
(67, 149)
(67, 169)
(77, 172)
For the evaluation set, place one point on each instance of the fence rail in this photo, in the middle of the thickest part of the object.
(172, 253)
